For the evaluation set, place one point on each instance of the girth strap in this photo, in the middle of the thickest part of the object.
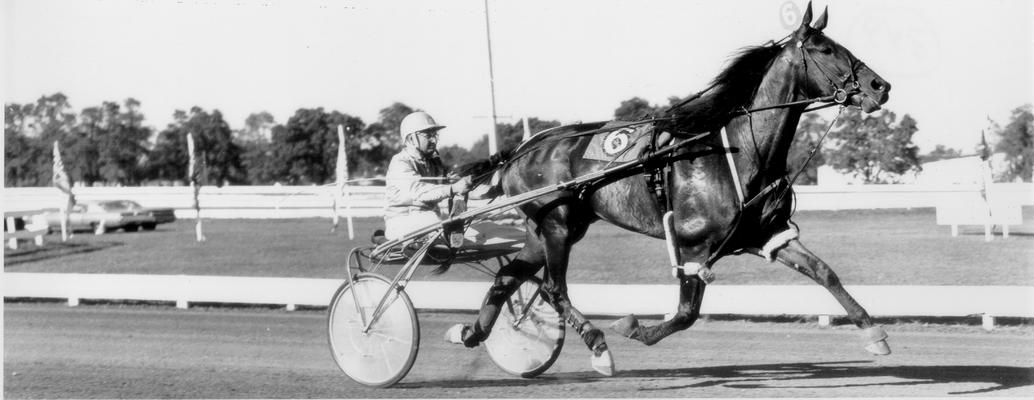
(657, 179)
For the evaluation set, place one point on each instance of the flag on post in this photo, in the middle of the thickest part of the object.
(62, 182)
(986, 178)
(194, 174)
(341, 195)
(985, 149)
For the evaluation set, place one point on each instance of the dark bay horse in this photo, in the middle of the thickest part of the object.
(711, 220)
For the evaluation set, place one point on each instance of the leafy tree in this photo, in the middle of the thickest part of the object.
(101, 144)
(381, 140)
(1017, 142)
(941, 152)
(809, 131)
(50, 119)
(454, 155)
(258, 126)
(634, 109)
(221, 157)
(510, 135)
(305, 149)
(169, 159)
(21, 152)
(637, 108)
(874, 145)
(257, 156)
(121, 143)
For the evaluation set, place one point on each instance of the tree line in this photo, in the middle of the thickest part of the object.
(110, 144)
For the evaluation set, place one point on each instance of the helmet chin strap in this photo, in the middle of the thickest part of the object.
(414, 142)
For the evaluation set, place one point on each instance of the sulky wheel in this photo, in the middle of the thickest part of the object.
(526, 346)
(383, 355)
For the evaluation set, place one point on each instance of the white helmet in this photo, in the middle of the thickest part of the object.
(417, 122)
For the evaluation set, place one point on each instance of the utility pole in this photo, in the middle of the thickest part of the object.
(493, 146)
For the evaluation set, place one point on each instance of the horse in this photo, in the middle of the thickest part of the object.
(758, 100)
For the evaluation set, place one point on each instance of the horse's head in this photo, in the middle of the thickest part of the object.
(830, 69)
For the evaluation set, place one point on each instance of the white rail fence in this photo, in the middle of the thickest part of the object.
(987, 302)
(316, 201)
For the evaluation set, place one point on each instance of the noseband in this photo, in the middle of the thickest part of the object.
(848, 84)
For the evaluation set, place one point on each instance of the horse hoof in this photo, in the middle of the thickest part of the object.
(603, 363)
(877, 341)
(879, 348)
(455, 334)
(626, 326)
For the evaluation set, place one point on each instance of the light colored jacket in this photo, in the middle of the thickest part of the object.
(408, 188)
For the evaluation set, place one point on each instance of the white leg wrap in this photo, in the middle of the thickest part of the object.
(692, 268)
(875, 334)
(779, 240)
(877, 339)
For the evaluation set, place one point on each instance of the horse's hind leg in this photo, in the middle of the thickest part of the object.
(691, 295)
(528, 261)
(796, 256)
(554, 288)
(559, 232)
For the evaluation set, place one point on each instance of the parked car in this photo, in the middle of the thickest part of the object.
(109, 215)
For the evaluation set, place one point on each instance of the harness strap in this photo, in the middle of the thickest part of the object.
(732, 166)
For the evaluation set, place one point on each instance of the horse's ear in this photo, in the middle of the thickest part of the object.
(807, 16)
(820, 24)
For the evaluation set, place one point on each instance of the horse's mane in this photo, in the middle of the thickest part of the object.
(730, 91)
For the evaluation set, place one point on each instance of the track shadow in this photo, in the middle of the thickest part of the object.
(762, 376)
(997, 234)
(54, 250)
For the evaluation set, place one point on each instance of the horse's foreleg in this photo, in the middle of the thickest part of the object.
(796, 256)
(691, 295)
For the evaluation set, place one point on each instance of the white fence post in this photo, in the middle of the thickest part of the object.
(13, 242)
(988, 322)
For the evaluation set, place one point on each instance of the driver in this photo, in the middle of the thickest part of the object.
(414, 181)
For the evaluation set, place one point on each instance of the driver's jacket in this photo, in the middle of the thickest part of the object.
(408, 188)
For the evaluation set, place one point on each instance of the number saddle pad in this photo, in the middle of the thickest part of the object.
(618, 142)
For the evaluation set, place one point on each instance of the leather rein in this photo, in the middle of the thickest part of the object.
(848, 85)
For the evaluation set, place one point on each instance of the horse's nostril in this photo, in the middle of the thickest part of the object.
(876, 85)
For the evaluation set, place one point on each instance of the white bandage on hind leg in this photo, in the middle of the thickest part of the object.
(779, 240)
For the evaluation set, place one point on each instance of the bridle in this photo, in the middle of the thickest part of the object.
(847, 86)
(843, 87)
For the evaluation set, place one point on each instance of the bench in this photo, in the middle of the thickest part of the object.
(18, 229)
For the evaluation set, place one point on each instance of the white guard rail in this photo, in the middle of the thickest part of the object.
(368, 201)
(596, 299)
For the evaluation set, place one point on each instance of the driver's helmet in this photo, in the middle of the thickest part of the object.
(417, 122)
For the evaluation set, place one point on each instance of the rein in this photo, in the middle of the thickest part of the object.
(839, 96)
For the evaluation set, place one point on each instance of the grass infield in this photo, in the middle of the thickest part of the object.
(864, 247)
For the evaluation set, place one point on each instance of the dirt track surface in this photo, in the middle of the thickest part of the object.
(53, 351)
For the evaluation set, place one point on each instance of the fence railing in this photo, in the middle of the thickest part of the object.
(987, 302)
(316, 201)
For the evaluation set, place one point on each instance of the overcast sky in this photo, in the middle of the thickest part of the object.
(951, 63)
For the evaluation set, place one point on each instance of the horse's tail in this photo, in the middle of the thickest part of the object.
(481, 171)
